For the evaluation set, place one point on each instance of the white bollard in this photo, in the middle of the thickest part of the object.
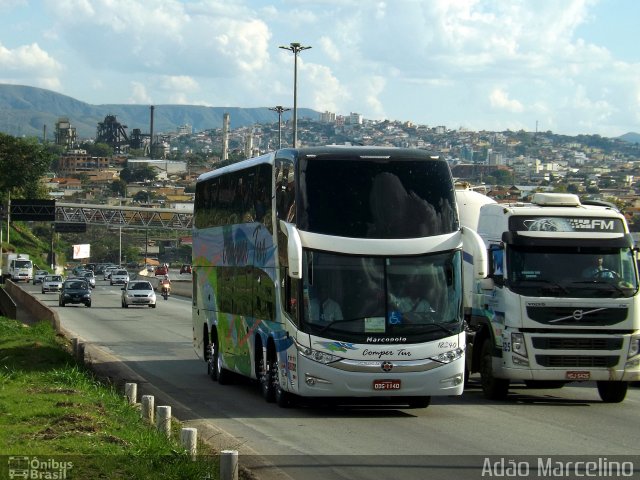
(229, 465)
(189, 440)
(147, 408)
(163, 420)
(131, 392)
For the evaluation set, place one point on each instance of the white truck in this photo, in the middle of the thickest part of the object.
(17, 267)
(560, 299)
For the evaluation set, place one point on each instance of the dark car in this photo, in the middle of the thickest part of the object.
(75, 290)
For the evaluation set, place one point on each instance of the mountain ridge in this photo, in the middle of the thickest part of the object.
(31, 111)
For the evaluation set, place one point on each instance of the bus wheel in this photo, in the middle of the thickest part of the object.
(612, 392)
(212, 361)
(493, 388)
(267, 383)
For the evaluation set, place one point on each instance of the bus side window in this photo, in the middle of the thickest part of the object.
(289, 295)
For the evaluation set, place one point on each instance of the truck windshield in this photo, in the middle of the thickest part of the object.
(368, 299)
(572, 272)
(22, 264)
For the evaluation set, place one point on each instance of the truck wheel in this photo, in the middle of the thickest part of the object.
(612, 392)
(493, 388)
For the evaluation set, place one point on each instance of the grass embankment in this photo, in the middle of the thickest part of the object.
(51, 407)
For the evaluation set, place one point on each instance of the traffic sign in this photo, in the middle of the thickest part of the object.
(70, 227)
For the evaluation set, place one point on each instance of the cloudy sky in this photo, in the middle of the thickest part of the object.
(571, 66)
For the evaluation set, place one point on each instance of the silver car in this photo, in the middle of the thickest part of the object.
(38, 277)
(52, 283)
(138, 292)
(119, 276)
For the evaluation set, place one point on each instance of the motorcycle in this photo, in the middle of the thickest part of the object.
(165, 290)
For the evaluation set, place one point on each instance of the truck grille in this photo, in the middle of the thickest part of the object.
(578, 316)
(554, 343)
(574, 361)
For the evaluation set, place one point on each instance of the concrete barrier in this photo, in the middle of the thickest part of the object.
(34, 307)
(7, 305)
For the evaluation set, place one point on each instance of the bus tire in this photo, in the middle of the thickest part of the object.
(212, 361)
(493, 388)
(612, 392)
(267, 382)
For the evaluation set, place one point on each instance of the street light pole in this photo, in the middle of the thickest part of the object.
(279, 109)
(296, 48)
(120, 233)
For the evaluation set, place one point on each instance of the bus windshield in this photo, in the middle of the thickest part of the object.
(367, 299)
(375, 198)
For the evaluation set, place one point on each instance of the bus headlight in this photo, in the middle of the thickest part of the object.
(450, 356)
(317, 355)
(517, 344)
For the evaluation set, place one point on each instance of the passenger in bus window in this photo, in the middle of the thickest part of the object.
(324, 309)
(412, 299)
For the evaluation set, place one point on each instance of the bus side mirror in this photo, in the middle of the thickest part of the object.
(294, 249)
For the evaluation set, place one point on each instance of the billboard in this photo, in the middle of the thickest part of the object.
(81, 251)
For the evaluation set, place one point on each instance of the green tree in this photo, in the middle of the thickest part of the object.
(97, 149)
(118, 187)
(23, 161)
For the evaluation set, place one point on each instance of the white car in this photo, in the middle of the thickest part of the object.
(52, 283)
(108, 271)
(119, 277)
(38, 277)
(90, 277)
(138, 292)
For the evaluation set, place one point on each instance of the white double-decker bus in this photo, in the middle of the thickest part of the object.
(332, 272)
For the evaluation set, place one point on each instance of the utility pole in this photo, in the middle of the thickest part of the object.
(280, 109)
(296, 48)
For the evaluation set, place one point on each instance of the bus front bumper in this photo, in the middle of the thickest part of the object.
(368, 379)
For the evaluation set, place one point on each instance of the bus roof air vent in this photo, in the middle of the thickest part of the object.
(556, 200)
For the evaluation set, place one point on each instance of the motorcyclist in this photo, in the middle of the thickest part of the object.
(165, 285)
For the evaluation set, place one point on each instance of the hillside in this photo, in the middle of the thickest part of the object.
(28, 111)
(630, 137)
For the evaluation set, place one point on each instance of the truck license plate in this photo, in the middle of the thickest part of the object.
(577, 375)
(386, 384)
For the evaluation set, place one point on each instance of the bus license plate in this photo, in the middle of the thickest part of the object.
(577, 375)
(386, 385)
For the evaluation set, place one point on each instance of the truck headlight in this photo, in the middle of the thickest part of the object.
(634, 347)
(517, 344)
